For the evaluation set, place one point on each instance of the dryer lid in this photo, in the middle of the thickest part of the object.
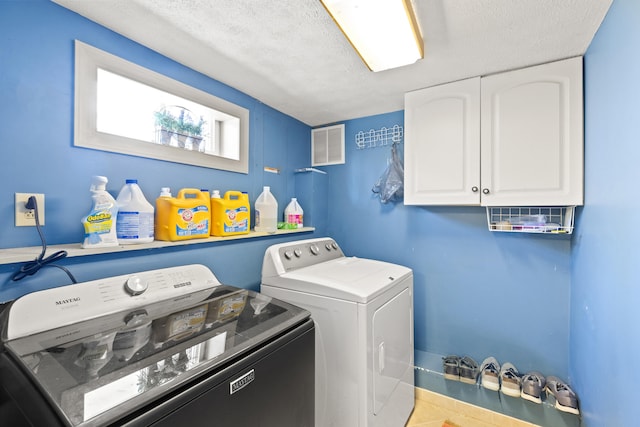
(347, 278)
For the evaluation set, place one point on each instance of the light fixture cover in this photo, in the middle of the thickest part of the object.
(383, 32)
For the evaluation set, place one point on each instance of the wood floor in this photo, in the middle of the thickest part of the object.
(435, 410)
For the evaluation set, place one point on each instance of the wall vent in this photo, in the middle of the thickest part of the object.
(327, 145)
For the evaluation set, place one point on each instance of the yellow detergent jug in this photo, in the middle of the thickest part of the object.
(230, 214)
(184, 217)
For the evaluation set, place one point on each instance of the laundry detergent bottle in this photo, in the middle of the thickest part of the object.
(230, 214)
(186, 216)
(135, 215)
(100, 223)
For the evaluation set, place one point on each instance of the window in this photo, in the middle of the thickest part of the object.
(124, 108)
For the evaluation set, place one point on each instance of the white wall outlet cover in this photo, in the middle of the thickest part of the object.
(26, 217)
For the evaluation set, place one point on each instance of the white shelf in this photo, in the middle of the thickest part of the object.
(533, 219)
(15, 255)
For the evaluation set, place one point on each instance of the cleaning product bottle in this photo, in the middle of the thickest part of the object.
(266, 208)
(230, 215)
(187, 216)
(161, 219)
(100, 224)
(293, 214)
(135, 215)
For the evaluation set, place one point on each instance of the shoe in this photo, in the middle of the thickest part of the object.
(566, 399)
(468, 370)
(532, 385)
(451, 367)
(489, 374)
(509, 380)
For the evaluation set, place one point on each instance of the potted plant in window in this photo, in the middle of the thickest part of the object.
(166, 126)
(184, 123)
(195, 135)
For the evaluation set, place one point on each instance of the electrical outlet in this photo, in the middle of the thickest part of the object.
(27, 217)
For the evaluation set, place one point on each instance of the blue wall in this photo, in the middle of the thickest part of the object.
(562, 306)
(476, 292)
(37, 152)
(605, 319)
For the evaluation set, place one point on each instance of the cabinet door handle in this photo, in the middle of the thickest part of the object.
(474, 189)
(485, 191)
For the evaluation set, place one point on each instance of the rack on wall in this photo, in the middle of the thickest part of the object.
(379, 138)
(556, 220)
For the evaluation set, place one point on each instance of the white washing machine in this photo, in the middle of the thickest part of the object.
(363, 311)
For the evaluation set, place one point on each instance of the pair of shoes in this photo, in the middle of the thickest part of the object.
(504, 378)
(457, 368)
(533, 383)
(509, 380)
(565, 398)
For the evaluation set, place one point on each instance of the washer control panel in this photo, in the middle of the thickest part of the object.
(308, 252)
(71, 304)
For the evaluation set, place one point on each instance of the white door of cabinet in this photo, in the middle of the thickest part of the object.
(532, 136)
(442, 144)
(510, 139)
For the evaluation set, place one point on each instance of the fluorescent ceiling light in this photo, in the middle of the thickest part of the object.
(383, 32)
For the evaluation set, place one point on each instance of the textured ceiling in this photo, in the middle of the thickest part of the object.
(290, 55)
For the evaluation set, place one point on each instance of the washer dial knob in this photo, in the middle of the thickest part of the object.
(315, 250)
(135, 285)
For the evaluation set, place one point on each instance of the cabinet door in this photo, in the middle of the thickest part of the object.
(532, 136)
(442, 144)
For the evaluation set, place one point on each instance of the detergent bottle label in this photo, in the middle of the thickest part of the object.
(193, 221)
(236, 220)
(294, 218)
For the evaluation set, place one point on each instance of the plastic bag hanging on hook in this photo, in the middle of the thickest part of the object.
(390, 185)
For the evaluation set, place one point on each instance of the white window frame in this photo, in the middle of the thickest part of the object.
(87, 62)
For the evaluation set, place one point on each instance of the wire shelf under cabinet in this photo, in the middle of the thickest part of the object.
(552, 220)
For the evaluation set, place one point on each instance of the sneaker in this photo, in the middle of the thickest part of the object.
(565, 398)
(510, 380)
(532, 385)
(468, 370)
(451, 367)
(489, 374)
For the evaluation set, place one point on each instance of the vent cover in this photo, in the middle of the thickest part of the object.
(327, 145)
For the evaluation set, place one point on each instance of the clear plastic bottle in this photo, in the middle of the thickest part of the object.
(100, 223)
(266, 208)
(135, 215)
(293, 214)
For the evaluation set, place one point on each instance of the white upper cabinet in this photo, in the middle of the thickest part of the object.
(527, 126)
(442, 144)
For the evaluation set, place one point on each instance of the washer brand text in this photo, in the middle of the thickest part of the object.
(68, 301)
